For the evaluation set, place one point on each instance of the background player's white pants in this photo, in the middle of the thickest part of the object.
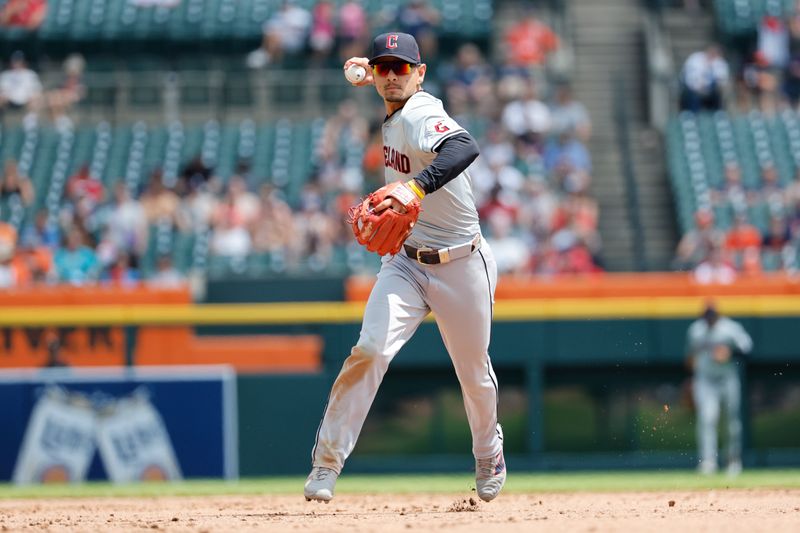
(709, 394)
(461, 294)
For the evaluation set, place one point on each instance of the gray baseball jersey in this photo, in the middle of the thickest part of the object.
(701, 341)
(459, 292)
(410, 137)
(717, 384)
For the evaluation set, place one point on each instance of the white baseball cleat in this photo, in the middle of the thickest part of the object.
(707, 467)
(320, 483)
(734, 468)
(490, 476)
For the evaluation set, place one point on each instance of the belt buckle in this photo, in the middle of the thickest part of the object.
(420, 251)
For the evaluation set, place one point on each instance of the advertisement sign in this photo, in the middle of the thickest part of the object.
(134, 443)
(59, 442)
(118, 423)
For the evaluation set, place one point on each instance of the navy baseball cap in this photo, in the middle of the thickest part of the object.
(395, 44)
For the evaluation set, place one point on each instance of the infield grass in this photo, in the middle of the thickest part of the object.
(524, 483)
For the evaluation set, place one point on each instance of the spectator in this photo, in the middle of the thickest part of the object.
(494, 167)
(323, 30)
(791, 196)
(581, 212)
(14, 187)
(529, 42)
(710, 345)
(696, 244)
(198, 206)
(732, 193)
(315, 229)
(274, 231)
(510, 251)
(773, 41)
(774, 241)
(166, 275)
(527, 117)
(34, 262)
(76, 263)
(20, 87)
(245, 204)
(83, 188)
(499, 200)
(759, 82)
(285, 34)
(715, 269)
(470, 79)
(27, 14)
(740, 237)
(230, 237)
(42, 232)
(161, 204)
(565, 155)
(194, 173)
(339, 166)
(538, 207)
(792, 73)
(771, 192)
(71, 91)
(421, 20)
(126, 222)
(9, 276)
(123, 271)
(353, 29)
(703, 78)
(567, 114)
(578, 259)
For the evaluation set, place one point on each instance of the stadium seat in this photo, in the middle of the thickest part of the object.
(740, 18)
(264, 153)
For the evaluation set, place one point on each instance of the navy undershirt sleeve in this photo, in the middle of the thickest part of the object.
(455, 154)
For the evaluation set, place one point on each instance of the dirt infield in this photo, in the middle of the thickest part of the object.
(718, 510)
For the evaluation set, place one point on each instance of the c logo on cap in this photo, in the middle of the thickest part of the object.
(391, 41)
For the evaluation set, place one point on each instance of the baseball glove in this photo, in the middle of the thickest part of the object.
(384, 232)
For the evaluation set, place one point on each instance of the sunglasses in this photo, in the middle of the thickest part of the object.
(400, 68)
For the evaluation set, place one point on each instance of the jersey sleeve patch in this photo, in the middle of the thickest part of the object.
(427, 124)
(437, 129)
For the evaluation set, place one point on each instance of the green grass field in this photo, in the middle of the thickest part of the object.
(524, 483)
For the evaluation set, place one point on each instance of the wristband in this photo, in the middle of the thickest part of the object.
(416, 188)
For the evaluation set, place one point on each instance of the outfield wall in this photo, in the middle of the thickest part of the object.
(589, 378)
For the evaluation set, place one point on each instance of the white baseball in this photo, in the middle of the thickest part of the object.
(355, 73)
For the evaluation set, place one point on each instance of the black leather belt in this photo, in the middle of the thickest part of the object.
(434, 256)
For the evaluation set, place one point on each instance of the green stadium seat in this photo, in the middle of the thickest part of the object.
(229, 140)
(99, 165)
(12, 142)
(44, 168)
(740, 18)
(264, 153)
(120, 142)
(182, 254)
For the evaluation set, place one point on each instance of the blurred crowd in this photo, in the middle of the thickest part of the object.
(533, 177)
(532, 180)
(22, 90)
(761, 72)
(330, 35)
(763, 75)
(716, 255)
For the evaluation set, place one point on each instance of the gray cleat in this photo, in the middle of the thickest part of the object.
(320, 483)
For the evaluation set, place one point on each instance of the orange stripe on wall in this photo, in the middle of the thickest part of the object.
(609, 285)
(247, 353)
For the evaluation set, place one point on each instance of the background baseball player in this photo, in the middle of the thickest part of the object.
(711, 341)
(444, 267)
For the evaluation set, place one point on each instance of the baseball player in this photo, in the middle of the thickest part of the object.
(711, 341)
(444, 266)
